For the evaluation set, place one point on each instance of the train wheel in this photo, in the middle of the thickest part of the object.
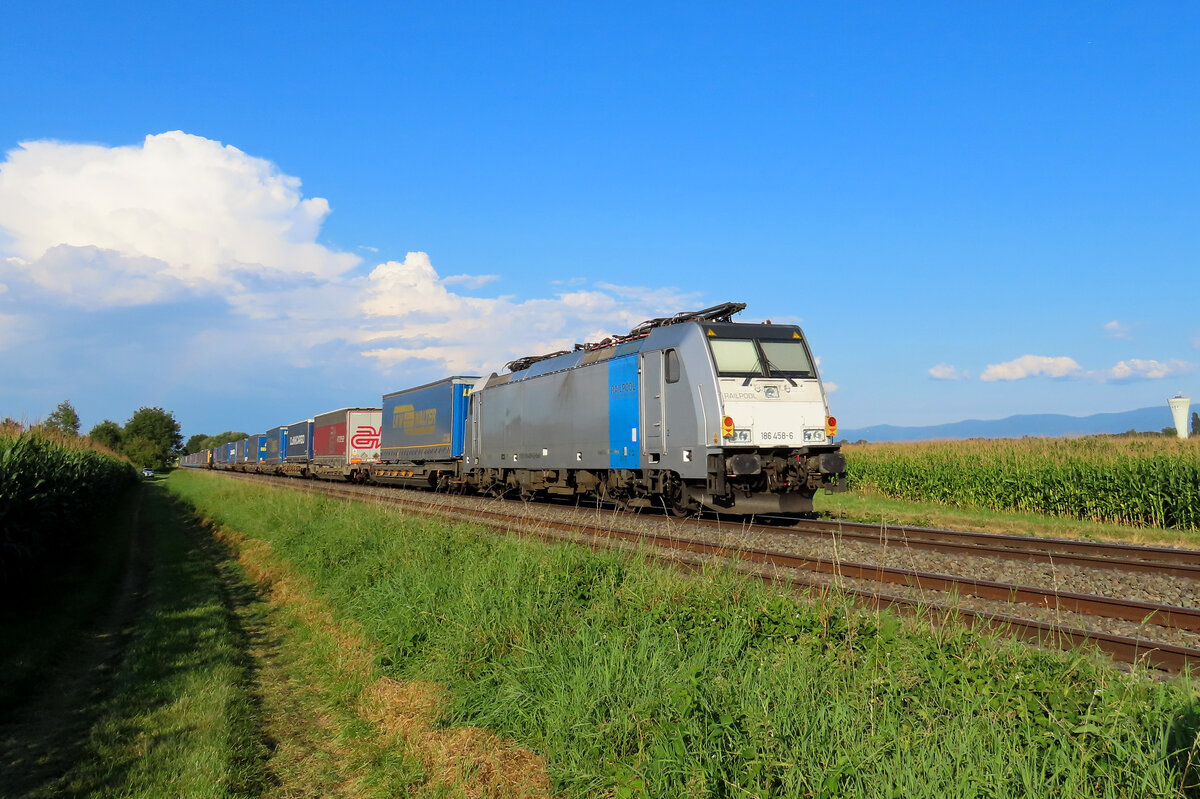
(675, 499)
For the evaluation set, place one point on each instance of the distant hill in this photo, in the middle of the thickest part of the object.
(1037, 424)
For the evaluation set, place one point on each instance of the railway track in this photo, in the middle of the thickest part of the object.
(1095, 555)
(773, 565)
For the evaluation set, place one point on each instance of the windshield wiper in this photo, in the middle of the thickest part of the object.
(772, 367)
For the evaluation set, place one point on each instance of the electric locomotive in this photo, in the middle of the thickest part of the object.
(689, 411)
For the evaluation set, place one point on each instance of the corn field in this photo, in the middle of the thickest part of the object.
(1150, 481)
(49, 489)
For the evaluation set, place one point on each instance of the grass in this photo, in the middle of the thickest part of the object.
(198, 687)
(634, 681)
(170, 709)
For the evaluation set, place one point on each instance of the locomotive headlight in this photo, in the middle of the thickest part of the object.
(814, 435)
(741, 436)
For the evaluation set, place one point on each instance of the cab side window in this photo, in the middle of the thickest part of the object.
(672, 366)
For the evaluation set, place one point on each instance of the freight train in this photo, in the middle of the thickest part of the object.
(685, 412)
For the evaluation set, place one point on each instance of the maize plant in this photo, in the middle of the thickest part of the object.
(1150, 481)
(49, 489)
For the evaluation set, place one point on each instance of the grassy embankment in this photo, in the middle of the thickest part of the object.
(631, 680)
(1134, 489)
(142, 690)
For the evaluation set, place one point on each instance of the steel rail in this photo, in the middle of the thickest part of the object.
(1160, 655)
(1097, 555)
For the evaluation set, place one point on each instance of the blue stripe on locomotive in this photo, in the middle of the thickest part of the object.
(623, 445)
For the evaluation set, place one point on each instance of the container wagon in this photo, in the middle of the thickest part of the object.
(345, 443)
(299, 450)
(423, 434)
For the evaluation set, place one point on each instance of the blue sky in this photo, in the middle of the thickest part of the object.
(252, 213)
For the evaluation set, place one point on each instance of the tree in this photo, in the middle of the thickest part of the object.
(143, 452)
(160, 432)
(108, 434)
(229, 436)
(63, 419)
(1195, 423)
(195, 443)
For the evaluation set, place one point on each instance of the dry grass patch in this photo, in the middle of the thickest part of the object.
(473, 761)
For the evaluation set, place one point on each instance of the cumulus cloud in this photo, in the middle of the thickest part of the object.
(944, 371)
(413, 315)
(175, 211)
(1137, 368)
(1032, 366)
(180, 218)
(1062, 366)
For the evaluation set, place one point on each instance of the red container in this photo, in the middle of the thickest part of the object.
(347, 436)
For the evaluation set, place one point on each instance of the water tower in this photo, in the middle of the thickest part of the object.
(1180, 406)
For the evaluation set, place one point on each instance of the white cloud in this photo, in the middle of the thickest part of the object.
(182, 210)
(1137, 369)
(1062, 366)
(413, 315)
(1116, 329)
(1031, 366)
(944, 371)
(470, 281)
(181, 218)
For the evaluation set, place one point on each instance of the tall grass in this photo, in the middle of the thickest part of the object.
(49, 488)
(1143, 481)
(635, 681)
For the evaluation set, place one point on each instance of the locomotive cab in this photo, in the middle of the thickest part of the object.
(775, 427)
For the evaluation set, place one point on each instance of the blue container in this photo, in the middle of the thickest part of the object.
(276, 445)
(258, 448)
(299, 447)
(427, 423)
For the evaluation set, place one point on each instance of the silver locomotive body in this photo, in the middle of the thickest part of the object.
(692, 411)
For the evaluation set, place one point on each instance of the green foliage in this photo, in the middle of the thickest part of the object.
(152, 438)
(635, 681)
(107, 434)
(1195, 423)
(63, 419)
(49, 489)
(200, 441)
(1145, 481)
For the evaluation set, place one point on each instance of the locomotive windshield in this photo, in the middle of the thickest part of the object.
(761, 358)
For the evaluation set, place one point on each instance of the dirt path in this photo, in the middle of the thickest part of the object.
(43, 736)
